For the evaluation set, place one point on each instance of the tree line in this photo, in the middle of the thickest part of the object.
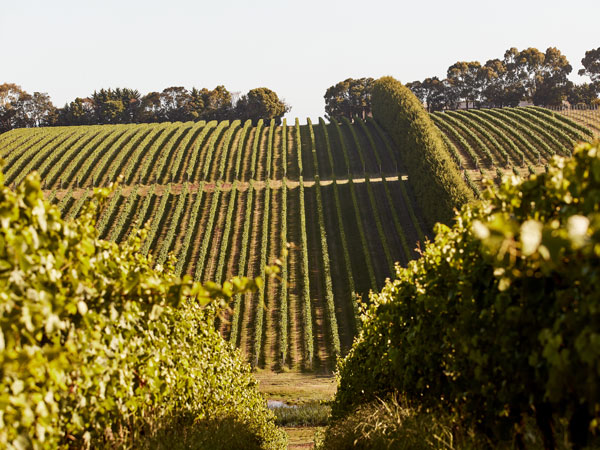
(19, 109)
(528, 75)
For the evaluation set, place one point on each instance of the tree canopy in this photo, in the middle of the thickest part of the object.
(19, 109)
(520, 75)
(349, 98)
(591, 65)
(261, 103)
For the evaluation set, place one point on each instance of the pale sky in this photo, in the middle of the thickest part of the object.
(69, 48)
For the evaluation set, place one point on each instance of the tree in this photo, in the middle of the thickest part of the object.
(349, 98)
(523, 68)
(80, 111)
(216, 104)
(552, 83)
(174, 102)
(150, 108)
(464, 77)
(582, 94)
(591, 65)
(261, 103)
(42, 111)
(10, 94)
(121, 105)
(432, 92)
(19, 109)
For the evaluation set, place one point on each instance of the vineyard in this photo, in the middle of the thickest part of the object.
(230, 198)
(589, 117)
(487, 143)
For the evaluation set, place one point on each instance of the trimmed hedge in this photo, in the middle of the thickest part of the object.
(435, 178)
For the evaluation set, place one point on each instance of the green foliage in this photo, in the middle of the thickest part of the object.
(261, 104)
(125, 216)
(472, 185)
(194, 158)
(379, 226)
(156, 220)
(162, 254)
(349, 98)
(324, 252)
(500, 317)
(403, 189)
(212, 215)
(184, 149)
(389, 423)
(517, 155)
(260, 305)
(448, 129)
(431, 171)
(224, 156)
(99, 349)
(211, 149)
(311, 414)
(186, 245)
(307, 310)
(564, 122)
(536, 133)
(508, 128)
(477, 127)
(236, 322)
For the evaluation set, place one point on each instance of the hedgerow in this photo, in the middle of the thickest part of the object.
(433, 174)
(99, 349)
(499, 318)
(407, 200)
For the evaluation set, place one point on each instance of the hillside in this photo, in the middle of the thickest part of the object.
(226, 197)
(490, 142)
(230, 198)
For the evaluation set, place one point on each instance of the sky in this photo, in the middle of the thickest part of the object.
(69, 48)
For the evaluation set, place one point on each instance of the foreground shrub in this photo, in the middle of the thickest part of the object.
(310, 414)
(391, 423)
(100, 349)
(433, 174)
(500, 317)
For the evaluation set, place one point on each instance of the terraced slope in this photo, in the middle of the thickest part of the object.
(490, 142)
(230, 198)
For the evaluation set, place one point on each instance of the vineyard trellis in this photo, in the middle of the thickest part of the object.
(232, 197)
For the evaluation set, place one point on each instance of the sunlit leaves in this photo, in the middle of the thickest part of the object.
(98, 347)
(500, 316)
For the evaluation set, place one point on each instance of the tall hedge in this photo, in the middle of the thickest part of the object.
(433, 175)
(500, 317)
